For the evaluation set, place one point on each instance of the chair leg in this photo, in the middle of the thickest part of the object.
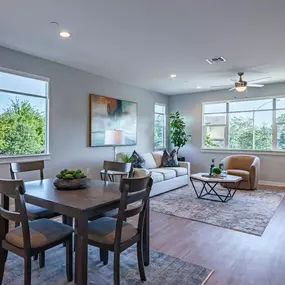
(3, 258)
(28, 271)
(104, 256)
(69, 260)
(64, 221)
(75, 236)
(140, 261)
(116, 268)
(35, 257)
(42, 259)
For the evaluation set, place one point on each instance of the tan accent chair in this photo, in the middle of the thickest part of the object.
(245, 166)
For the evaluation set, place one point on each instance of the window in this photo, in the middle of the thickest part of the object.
(159, 126)
(23, 114)
(245, 125)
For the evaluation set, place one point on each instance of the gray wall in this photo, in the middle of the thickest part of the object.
(190, 106)
(69, 109)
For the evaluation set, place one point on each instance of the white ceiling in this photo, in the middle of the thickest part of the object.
(141, 42)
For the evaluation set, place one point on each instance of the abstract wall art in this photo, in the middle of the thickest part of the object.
(109, 114)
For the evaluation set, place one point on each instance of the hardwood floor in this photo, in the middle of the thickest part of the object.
(237, 258)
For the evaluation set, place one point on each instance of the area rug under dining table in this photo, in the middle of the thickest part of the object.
(163, 270)
(248, 211)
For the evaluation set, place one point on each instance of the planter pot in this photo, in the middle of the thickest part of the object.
(216, 175)
(75, 184)
(181, 158)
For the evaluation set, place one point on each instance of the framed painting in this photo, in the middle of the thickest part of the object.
(112, 121)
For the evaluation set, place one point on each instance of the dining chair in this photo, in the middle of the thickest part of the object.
(31, 237)
(34, 212)
(112, 166)
(117, 235)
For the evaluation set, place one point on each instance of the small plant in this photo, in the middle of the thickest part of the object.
(126, 158)
(178, 134)
(70, 174)
(217, 171)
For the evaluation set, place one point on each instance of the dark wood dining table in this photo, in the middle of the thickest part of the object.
(100, 196)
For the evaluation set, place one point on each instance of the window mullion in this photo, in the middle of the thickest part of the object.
(227, 127)
(274, 126)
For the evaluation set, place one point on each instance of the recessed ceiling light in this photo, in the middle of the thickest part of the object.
(172, 75)
(65, 34)
(198, 87)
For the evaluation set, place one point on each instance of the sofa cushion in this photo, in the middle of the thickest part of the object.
(167, 173)
(157, 155)
(137, 160)
(157, 177)
(242, 173)
(140, 172)
(149, 160)
(169, 159)
(180, 171)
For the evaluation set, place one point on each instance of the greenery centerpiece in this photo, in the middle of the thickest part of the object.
(217, 172)
(70, 180)
(178, 135)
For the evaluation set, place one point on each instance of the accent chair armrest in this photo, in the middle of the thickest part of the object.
(185, 165)
(254, 173)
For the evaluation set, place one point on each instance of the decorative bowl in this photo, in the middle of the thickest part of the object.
(74, 184)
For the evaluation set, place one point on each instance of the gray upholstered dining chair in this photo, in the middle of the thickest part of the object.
(117, 235)
(30, 238)
(109, 167)
(33, 212)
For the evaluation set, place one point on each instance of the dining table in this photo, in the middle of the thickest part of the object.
(81, 205)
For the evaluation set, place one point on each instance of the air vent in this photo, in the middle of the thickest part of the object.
(215, 60)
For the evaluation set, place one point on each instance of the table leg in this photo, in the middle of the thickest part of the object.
(81, 266)
(146, 236)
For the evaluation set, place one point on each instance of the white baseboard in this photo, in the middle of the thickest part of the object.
(271, 183)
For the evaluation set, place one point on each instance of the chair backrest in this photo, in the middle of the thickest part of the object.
(241, 162)
(116, 166)
(14, 189)
(137, 191)
(27, 166)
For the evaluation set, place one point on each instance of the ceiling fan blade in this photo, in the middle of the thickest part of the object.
(260, 79)
(234, 80)
(232, 89)
(220, 86)
(255, 85)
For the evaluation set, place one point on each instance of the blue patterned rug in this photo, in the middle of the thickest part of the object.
(163, 270)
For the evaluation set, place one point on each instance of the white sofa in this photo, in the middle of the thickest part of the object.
(164, 178)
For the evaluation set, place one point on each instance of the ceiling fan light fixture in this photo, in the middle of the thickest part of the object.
(241, 88)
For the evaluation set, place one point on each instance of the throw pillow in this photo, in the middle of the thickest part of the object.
(169, 160)
(137, 160)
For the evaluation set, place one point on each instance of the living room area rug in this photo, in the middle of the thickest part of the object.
(163, 270)
(248, 211)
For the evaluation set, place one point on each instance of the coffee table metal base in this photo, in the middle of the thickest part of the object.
(211, 194)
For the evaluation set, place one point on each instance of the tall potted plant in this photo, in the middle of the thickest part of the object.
(178, 135)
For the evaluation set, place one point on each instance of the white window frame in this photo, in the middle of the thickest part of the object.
(275, 150)
(29, 157)
(164, 127)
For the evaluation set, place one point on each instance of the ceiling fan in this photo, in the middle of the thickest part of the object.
(241, 85)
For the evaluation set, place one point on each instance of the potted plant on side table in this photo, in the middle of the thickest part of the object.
(178, 135)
